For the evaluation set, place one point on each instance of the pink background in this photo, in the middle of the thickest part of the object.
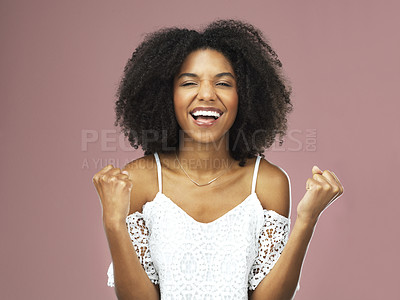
(60, 64)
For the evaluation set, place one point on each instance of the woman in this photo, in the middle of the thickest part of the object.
(203, 215)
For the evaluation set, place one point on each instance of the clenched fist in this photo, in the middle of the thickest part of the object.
(322, 189)
(114, 189)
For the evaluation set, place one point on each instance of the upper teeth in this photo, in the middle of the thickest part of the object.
(205, 113)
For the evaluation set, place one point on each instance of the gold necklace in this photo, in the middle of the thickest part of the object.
(195, 182)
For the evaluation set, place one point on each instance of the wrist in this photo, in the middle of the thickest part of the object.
(307, 221)
(114, 224)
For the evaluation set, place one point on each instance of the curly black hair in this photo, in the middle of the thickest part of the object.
(145, 110)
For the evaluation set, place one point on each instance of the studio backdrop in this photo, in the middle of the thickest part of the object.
(60, 65)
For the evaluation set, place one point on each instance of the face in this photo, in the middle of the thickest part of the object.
(205, 96)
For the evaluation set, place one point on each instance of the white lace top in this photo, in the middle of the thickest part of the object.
(217, 260)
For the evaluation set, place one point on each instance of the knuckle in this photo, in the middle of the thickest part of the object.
(109, 166)
(326, 187)
(122, 182)
(318, 187)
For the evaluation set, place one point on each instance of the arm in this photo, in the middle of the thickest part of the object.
(322, 189)
(282, 280)
(131, 280)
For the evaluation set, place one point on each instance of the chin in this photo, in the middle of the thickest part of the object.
(206, 138)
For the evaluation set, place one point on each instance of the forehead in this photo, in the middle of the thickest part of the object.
(206, 60)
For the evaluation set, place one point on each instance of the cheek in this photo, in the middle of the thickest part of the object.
(180, 108)
(233, 106)
(180, 99)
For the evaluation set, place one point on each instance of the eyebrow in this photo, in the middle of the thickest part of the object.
(195, 75)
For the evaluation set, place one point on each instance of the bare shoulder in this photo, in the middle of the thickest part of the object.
(273, 188)
(143, 175)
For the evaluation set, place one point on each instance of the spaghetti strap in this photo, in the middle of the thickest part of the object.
(158, 172)
(253, 184)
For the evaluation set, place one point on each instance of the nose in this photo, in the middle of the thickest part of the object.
(206, 91)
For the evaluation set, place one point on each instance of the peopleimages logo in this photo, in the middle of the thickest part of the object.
(110, 140)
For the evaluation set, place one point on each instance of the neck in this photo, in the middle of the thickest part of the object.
(205, 160)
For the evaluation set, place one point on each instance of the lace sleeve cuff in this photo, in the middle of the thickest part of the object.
(139, 236)
(271, 241)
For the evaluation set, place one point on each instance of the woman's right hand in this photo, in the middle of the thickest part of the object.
(114, 189)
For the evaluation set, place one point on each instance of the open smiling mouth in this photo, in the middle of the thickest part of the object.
(205, 117)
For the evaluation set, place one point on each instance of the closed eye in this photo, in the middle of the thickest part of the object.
(224, 84)
(219, 83)
(187, 83)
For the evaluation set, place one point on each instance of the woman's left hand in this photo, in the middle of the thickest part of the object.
(322, 189)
